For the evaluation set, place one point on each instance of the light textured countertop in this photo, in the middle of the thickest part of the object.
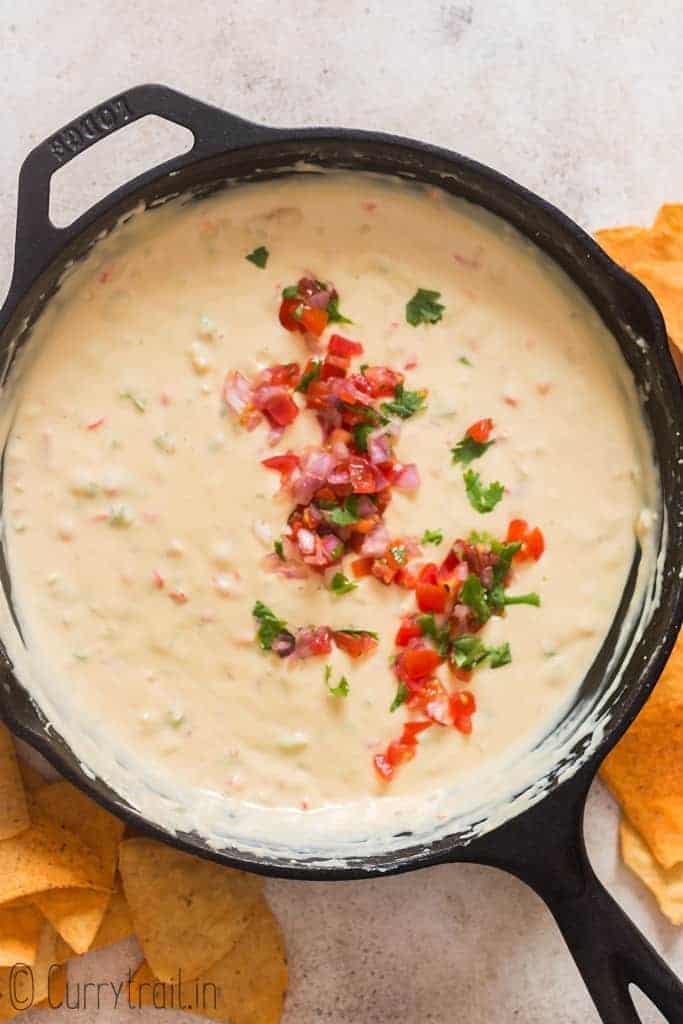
(580, 102)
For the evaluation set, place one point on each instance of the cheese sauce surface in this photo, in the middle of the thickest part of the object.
(138, 513)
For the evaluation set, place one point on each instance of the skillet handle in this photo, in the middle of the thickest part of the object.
(214, 130)
(545, 848)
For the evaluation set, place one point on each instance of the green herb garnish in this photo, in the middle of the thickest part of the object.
(139, 403)
(259, 256)
(402, 694)
(474, 596)
(360, 436)
(270, 627)
(469, 651)
(341, 584)
(438, 634)
(424, 307)
(405, 403)
(346, 514)
(482, 499)
(290, 292)
(309, 376)
(464, 360)
(468, 450)
(333, 314)
(533, 599)
(432, 537)
(279, 549)
(499, 656)
(342, 689)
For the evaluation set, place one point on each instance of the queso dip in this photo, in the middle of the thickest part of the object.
(320, 496)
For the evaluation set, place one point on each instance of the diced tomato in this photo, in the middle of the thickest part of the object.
(399, 751)
(281, 409)
(314, 320)
(283, 464)
(407, 577)
(462, 707)
(429, 573)
(356, 645)
(339, 346)
(286, 315)
(413, 729)
(431, 597)
(282, 373)
(480, 431)
(361, 567)
(417, 663)
(318, 394)
(430, 692)
(319, 641)
(463, 675)
(532, 541)
(361, 474)
(334, 366)
(408, 630)
(383, 570)
(381, 381)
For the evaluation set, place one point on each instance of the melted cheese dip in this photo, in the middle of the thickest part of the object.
(123, 463)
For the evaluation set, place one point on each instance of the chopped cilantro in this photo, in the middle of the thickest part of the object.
(279, 549)
(424, 307)
(290, 292)
(468, 450)
(309, 376)
(139, 403)
(363, 367)
(464, 360)
(346, 514)
(482, 499)
(432, 537)
(405, 403)
(341, 584)
(333, 314)
(360, 436)
(402, 694)
(438, 634)
(499, 656)
(342, 689)
(474, 596)
(469, 651)
(259, 256)
(270, 627)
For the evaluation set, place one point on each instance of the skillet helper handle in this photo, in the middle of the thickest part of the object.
(214, 131)
(545, 848)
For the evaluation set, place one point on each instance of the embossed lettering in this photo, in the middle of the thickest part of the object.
(92, 126)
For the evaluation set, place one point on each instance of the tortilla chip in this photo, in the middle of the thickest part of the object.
(645, 769)
(631, 245)
(75, 913)
(665, 281)
(247, 986)
(21, 988)
(57, 989)
(187, 912)
(63, 951)
(666, 884)
(117, 924)
(14, 817)
(20, 930)
(46, 856)
(670, 218)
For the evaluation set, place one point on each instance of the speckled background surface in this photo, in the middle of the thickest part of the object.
(579, 101)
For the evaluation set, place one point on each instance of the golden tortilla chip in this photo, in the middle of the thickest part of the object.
(248, 986)
(20, 930)
(670, 218)
(187, 912)
(117, 924)
(666, 884)
(46, 856)
(665, 281)
(21, 988)
(14, 817)
(56, 989)
(75, 913)
(645, 769)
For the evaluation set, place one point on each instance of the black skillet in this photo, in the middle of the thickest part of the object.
(542, 845)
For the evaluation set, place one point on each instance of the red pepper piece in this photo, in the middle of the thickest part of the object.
(431, 597)
(339, 346)
(480, 431)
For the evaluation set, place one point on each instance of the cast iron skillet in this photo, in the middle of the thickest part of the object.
(544, 845)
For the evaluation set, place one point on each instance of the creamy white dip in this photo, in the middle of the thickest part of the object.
(140, 337)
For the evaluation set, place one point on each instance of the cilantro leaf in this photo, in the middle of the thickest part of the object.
(474, 596)
(438, 634)
(270, 627)
(308, 377)
(342, 689)
(360, 436)
(405, 403)
(432, 537)
(346, 514)
(333, 314)
(424, 307)
(482, 499)
(341, 584)
(259, 256)
(499, 656)
(290, 292)
(533, 599)
(139, 402)
(464, 360)
(402, 694)
(467, 450)
(279, 549)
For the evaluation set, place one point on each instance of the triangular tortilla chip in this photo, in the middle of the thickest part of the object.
(20, 930)
(670, 219)
(187, 912)
(75, 913)
(666, 884)
(21, 988)
(645, 769)
(14, 816)
(46, 856)
(247, 986)
(117, 924)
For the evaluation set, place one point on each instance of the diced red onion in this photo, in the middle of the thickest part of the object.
(237, 392)
(320, 300)
(306, 541)
(366, 507)
(408, 479)
(288, 569)
(379, 447)
(376, 543)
